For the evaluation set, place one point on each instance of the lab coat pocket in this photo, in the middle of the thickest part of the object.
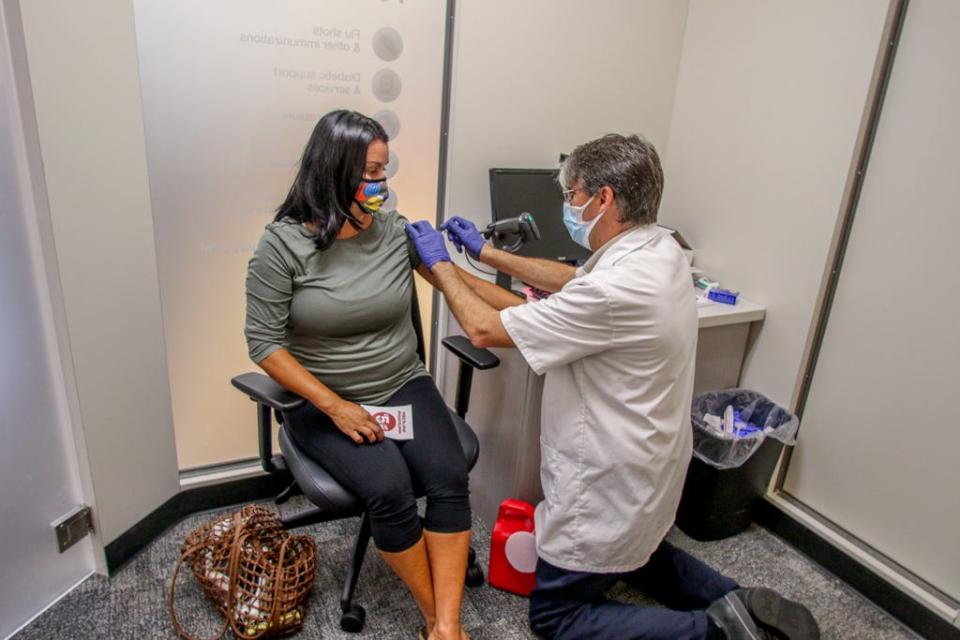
(558, 475)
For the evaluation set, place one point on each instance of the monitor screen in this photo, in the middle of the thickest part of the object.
(535, 191)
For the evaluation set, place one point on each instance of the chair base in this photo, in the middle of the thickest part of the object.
(353, 619)
(315, 515)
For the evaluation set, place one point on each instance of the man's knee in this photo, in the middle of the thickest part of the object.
(543, 626)
(547, 616)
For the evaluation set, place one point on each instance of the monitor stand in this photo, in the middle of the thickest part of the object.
(504, 280)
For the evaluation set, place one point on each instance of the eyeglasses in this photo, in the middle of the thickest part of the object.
(569, 193)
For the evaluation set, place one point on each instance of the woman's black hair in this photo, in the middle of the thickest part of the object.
(330, 173)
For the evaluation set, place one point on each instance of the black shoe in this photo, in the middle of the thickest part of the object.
(780, 617)
(730, 617)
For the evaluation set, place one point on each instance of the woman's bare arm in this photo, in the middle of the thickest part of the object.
(352, 419)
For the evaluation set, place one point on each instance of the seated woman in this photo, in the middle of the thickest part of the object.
(328, 317)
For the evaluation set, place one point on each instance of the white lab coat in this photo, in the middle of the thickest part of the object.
(617, 345)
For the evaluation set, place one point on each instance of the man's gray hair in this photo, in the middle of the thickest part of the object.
(627, 164)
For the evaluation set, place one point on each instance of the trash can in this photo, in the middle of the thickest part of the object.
(731, 468)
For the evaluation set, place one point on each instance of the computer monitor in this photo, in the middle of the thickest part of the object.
(515, 191)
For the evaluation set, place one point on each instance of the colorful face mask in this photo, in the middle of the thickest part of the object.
(372, 194)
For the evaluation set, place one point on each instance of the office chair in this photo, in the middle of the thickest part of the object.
(331, 500)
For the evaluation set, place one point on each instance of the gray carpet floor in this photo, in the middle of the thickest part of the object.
(132, 604)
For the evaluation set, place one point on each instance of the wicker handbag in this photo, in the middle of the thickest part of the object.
(256, 574)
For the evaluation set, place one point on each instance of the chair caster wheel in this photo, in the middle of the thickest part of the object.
(353, 618)
(475, 576)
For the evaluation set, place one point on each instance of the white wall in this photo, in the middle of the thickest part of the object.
(536, 78)
(39, 469)
(83, 64)
(767, 110)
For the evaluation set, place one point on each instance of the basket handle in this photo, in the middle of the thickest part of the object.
(173, 592)
(183, 633)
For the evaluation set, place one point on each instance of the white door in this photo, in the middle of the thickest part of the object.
(39, 478)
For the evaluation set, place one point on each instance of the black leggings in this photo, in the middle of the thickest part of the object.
(387, 476)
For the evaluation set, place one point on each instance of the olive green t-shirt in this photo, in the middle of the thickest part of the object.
(343, 313)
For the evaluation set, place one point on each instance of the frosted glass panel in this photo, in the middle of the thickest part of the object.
(231, 92)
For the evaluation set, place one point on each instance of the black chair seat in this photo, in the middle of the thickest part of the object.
(468, 439)
(325, 492)
(317, 485)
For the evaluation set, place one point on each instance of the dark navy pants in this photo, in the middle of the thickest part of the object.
(570, 605)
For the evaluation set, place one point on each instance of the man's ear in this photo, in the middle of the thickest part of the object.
(606, 196)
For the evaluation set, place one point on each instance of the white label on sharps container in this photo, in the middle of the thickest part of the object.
(396, 422)
(521, 551)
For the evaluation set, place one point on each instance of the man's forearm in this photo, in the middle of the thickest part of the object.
(548, 275)
(479, 320)
(497, 297)
(494, 295)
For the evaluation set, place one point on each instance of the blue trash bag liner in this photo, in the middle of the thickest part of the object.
(726, 451)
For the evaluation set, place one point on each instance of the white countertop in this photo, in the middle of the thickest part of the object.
(714, 314)
(717, 314)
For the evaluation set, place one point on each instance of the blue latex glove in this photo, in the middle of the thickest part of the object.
(428, 242)
(463, 233)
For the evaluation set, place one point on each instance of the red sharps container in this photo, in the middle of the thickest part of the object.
(513, 548)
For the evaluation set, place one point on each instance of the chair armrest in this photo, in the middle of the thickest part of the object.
(269, 397)
(470, 358)
(477, 358)
(264, 390)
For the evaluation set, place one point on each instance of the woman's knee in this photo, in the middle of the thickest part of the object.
(392, 509)
(389, 499)
(448, 503)
(448, 480)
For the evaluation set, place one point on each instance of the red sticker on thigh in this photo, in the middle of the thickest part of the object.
(396, 422)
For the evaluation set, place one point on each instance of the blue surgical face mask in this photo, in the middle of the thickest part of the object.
(578, 229)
